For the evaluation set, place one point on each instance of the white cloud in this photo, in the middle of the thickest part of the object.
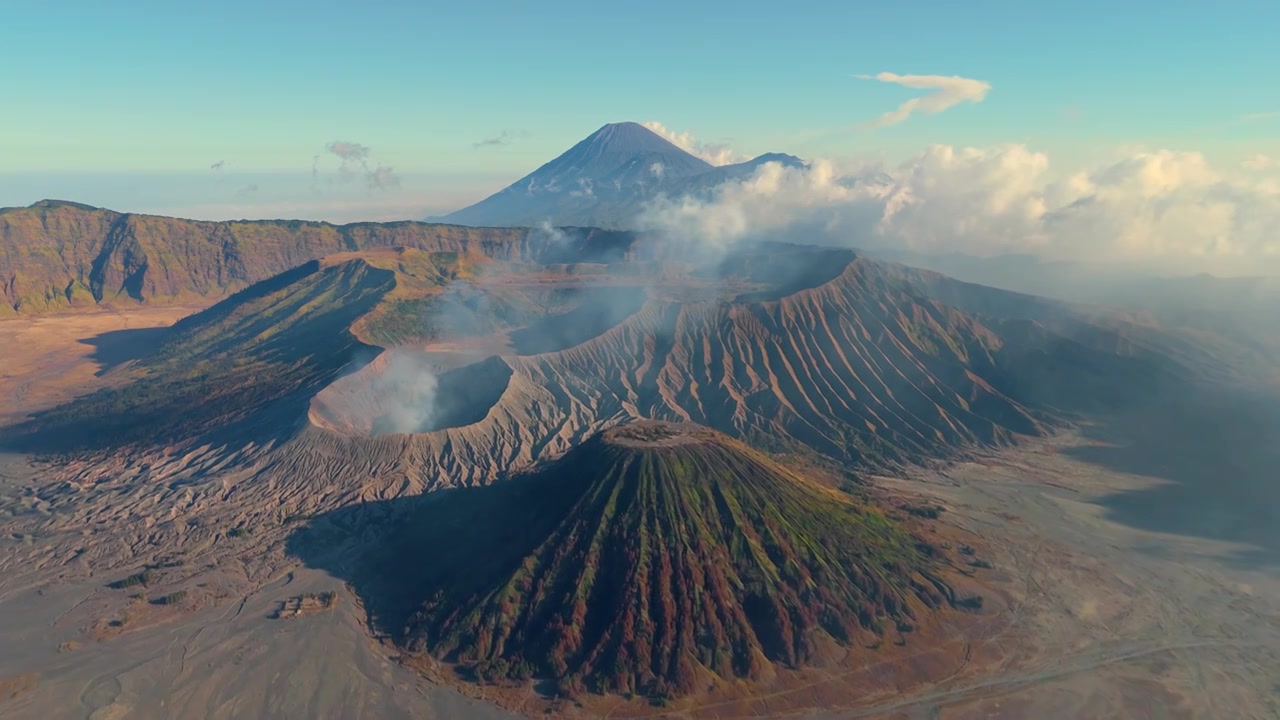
(948, 91)
(586, 189)
(1259, 163)
(714, 153)
(1159, 208)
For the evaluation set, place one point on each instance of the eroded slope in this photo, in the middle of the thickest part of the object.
(655, 559)
(497, 365)
(854, 368)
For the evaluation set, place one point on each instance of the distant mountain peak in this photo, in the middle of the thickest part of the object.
(626, 141)
(625, 135)
(591, 183)
(605, 180)
(781, 158)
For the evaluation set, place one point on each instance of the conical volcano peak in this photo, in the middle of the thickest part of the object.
(599, 181)
(604, 151)
(781, 158)
(656, 558)
(629, 137)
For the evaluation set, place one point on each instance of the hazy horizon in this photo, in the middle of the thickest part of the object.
(1126, 133)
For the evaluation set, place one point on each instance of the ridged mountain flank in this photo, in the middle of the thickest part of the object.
(657, 558)
(493, 366)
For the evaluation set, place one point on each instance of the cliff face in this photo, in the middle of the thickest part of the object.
(58, 255)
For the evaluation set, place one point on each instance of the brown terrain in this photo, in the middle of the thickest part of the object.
(58, 255)
(663, 561)
(928, 442)
(50, 359)
(308, 604)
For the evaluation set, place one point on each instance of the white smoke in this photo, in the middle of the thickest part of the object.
(406, 391)
(555, 234)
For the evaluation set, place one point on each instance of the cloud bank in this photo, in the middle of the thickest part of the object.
(1159, 208)
(713, 153)
(1260, 162)
(948, 91)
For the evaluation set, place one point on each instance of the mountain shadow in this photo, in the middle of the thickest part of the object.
(114, 348)
(1219, 450)
(242, 369)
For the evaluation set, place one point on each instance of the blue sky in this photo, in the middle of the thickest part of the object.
(121, 101)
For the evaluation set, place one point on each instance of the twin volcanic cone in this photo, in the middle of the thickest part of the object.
(658, 559)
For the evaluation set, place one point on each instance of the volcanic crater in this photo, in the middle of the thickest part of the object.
(455, 367)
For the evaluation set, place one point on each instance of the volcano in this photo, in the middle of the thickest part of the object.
(500, 442)
(611, 169)
(656, 558)
(605, 180)
(455, 368)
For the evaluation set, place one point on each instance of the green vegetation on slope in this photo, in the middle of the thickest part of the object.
(653, 559)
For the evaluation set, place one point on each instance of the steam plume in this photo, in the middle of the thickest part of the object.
(407, 390)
